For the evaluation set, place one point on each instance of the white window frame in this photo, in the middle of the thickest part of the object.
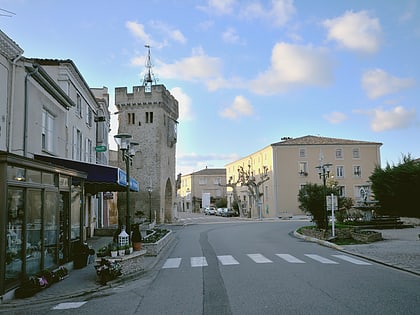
(339, 154)
(47, 141)
(356, 153)
(339, 171)
(357, 171)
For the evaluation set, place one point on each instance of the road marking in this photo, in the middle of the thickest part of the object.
(172, 263)
(352, 260)
(321, 259)
(290, 259)
(69, 305)
(198, 262)
(227, 260)
(259, 259)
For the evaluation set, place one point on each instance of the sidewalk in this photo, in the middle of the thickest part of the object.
(399, 249)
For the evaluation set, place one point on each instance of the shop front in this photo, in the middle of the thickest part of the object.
(41, 217)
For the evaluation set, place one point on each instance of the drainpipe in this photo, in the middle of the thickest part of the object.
(25, 121)
(11, 104)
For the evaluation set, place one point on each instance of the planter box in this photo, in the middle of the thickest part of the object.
(153, 249)
(366, 236)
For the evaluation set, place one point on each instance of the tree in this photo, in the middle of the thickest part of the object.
(311, 199)
(397, 187)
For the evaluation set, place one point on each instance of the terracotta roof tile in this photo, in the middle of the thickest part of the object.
(315, 140)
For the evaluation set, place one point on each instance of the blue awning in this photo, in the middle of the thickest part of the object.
(99, 177)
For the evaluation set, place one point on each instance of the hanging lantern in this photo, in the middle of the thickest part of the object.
(123, 238)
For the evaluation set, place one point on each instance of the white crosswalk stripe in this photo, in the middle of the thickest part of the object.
(259, 259)
(321, 259)
(229, 260)
(226, 260)
(68, 305)
(198, 262)
(172, 263)
(290, 259)
(352, 260)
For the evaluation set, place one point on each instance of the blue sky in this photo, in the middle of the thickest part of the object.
(246, 73)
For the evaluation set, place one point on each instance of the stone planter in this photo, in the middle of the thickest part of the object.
(153, 249)
(366, 236)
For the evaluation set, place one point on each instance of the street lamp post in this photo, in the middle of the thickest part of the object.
(128, 149)
(324, 173)
(149, 190)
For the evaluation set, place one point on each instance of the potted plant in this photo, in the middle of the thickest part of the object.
(121, 250)
(127, 249)
(136, 237)
(114, 250)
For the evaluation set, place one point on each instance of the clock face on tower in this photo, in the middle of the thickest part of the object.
(148, 87)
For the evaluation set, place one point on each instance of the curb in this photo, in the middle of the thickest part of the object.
(337, 247)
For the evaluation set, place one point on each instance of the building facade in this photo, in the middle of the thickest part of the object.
(211, 181)
(292, 163)
(150, 115)
(50, 177)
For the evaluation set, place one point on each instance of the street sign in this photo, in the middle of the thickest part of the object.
(329, 203)
(100, 148)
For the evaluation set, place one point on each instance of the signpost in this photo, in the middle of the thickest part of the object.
(332, 203)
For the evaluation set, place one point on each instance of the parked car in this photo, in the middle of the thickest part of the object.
(220, 211)
(210, 211)
(230, 213)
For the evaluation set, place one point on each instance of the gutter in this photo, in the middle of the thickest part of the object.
(25, 120)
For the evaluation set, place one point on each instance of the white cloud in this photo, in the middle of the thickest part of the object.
(184, 102)
(355, 31)
(192, 162)
(168, 31)
(378, 83)
(197, 67)
(231, 36)
(293, 65)
(219, 7)
(279, 13)
(335, 117)
(138, 31)
(240, 107)
(395, 118)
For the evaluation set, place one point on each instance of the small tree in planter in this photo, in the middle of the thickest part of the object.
(136, 237)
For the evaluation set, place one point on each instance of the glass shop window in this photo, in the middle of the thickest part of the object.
(14, 241)
(33, 232)
(50, 229)
(75, 213)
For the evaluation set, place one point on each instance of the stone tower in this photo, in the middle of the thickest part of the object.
(150, 115)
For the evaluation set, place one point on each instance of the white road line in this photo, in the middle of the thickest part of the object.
(352, 260)
(227, 260)
(172, 263)
(321, 259)
(290, 258)
(259, 259)
(198, 262)
(65, 306)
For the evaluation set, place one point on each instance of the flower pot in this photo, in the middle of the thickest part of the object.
(114, 253)
(137, 246)
(121, 252)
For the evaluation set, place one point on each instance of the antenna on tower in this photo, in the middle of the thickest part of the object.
(149, 77)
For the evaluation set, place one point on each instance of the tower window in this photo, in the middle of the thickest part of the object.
(131, 118)
(149, 117)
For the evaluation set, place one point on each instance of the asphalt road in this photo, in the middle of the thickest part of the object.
(256, 268)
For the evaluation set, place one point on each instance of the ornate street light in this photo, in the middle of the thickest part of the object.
(324, 173)
(149, 190)
(128, 149)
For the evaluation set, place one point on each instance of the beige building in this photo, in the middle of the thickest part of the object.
(210, 181)
(293, 163)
